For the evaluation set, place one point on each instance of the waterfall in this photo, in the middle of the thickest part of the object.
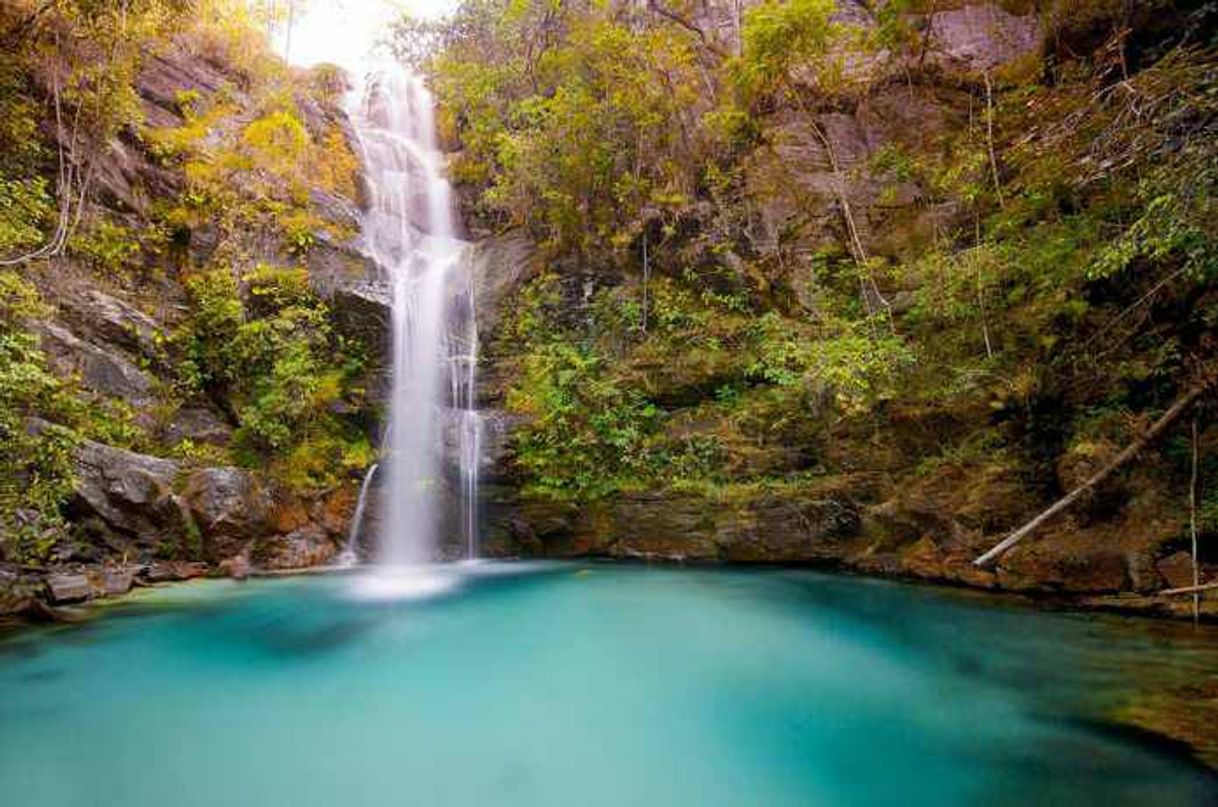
(350, 555)
(410, 231)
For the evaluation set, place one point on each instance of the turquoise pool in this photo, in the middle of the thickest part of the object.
(586, 685)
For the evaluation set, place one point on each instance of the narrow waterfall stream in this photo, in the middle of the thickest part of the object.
(411, 233)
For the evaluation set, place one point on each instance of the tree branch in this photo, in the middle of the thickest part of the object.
(1161, 425)
(672, 16)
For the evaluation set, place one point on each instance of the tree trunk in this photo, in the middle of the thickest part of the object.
(989, 138)
(1192, 526)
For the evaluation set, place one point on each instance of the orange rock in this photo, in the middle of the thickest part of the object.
(923, 559)
(289, 515)
(335, 512)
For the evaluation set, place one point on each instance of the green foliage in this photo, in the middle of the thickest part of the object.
(35, 463)
(589, 431)
(778, 36)
(25, 207)
(854, 366)
(107, 246)
(278, 140)
(264, 343)
(254, 180)
(586, 432)
(573, 121)
(592, 425)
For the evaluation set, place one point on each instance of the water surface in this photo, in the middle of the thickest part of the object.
(587, 685)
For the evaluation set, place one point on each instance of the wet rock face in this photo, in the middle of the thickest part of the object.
(499, 266)
(363, 311)
(670, 526)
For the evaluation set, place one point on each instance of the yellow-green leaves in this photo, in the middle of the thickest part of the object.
(278, 140)
(572, 120)
(778, 36)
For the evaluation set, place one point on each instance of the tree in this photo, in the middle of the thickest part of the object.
(786, 45)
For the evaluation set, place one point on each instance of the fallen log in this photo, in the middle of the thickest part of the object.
(1132, 450)
(1174, 592)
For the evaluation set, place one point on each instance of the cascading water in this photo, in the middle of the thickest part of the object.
(409, 231)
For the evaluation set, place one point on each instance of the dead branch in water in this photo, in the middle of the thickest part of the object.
(1175, 592)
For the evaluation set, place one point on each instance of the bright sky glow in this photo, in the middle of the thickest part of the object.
(343, 32)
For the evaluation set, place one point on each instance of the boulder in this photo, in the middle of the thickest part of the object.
(105, 371)
(15, 593)
(237, 567)
(228, 506)
(981, 37)
(118, 581)
(301, 549)
(68, 588)
(132, 493)
(169, 571)
(1046, 566)
(109, 320)
(199, 425)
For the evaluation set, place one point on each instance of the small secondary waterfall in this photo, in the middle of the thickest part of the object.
(350, 555)
(410, 231)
